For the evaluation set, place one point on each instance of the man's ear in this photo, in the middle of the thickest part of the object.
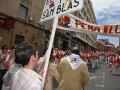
(32, 58)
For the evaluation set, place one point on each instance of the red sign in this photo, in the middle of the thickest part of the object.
(7, 22)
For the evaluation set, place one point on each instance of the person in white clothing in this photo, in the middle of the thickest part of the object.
(26, 78)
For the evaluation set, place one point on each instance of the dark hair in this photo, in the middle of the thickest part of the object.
(4, 47)
(76, 51)
(13, 47)
(23, 53)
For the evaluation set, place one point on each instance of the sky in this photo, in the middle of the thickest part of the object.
(107, 12)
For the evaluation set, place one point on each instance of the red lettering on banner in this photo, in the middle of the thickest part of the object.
(110, 30)
(116, 29)
(77, 23)
(105, 28)
(83, 26)
(87, 27)
(51, 4)
(90, 27)
(97, 29)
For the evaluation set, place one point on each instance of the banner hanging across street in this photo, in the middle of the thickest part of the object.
(59, 7)
(72, 23)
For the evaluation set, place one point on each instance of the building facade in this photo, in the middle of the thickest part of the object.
(23, 25)
(87, 14)
(81, 40)
(26, 27)
(105, 45)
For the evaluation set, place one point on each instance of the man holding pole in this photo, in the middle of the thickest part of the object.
(26, 78)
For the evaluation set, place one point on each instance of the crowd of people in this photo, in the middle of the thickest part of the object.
(93, 59)
(12, 61)
(21, 68)
(24, 69)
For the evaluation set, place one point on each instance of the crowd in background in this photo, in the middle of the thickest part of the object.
(7, 57)
(93, 59)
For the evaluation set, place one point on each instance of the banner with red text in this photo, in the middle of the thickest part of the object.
(72, 23)
(60, 7)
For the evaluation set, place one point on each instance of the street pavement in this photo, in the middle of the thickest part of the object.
(101, 79)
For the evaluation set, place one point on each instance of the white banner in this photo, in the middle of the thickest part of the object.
(58, 7)
(75, 24)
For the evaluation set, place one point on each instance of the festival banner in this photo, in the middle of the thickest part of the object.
(72, 23)
(59, 7)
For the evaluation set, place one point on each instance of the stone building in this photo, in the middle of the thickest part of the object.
(19, 22)
(22, 17)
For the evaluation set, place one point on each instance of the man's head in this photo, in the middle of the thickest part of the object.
(4, 49)
(26, 55)
(76, 51)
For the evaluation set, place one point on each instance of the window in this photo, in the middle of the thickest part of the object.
(19, 39)
(88, 19)
(85, 3)
(80, 16)
(23, 12)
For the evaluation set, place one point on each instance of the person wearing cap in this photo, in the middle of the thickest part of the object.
(73, 71)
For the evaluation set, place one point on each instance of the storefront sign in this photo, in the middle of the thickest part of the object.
(58, 7)
(7, 22)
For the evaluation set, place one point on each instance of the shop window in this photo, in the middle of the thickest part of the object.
(23, 12)
(19, 39)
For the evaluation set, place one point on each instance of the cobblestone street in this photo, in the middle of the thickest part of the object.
(101, 79)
